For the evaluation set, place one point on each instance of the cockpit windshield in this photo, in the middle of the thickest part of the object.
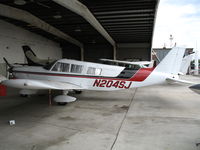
(49, 65)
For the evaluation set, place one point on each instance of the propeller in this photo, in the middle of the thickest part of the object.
(10, 67)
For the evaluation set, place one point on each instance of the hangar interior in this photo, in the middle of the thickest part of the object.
(140, 118)
(83, 30)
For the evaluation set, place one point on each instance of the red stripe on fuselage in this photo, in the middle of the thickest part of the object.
(140, 75)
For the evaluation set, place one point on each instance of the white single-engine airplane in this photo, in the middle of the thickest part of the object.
(32, 58)
(66, 74)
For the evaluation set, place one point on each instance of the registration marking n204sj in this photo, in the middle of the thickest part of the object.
(112, 83)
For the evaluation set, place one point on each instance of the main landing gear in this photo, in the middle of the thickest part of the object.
(64, 99)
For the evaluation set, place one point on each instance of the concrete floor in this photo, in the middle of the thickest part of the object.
(151, 118)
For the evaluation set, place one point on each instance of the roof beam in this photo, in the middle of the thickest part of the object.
(127, 16)
(83, 11)
(128, 23)
(125, 12)
(126, 20)
(21, 15)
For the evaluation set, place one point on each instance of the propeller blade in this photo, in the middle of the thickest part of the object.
(8, 64)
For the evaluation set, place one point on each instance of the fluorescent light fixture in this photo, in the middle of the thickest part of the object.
(57, 16)
(19, 2)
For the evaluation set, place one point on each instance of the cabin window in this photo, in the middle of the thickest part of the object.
(76, 68)
(91, 70)
(97, 71)
(61, 67)
(65, 67)
(132, 67)
(94, 71)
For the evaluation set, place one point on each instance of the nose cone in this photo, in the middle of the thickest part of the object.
(195, 88)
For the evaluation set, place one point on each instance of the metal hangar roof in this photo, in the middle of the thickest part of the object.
(85, 22)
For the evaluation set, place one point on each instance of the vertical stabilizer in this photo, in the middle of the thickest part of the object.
(30, 56)
(32, 59)
(172, 62)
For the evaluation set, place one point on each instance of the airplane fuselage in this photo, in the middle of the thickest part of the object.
(91, 76)
(66, 74)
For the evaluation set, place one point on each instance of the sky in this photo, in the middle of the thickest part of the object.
(179, 18)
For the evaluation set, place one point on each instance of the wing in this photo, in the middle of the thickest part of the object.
(195, 88)
(128, 62)
(39, 84)
(179, 80)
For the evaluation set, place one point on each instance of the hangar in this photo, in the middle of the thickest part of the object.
(145, 118)
(83, 30)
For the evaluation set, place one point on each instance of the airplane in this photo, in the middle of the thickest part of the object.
(32, 58)
(67, 74)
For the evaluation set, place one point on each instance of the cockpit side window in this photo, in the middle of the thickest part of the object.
(57, 67)
(61, 67)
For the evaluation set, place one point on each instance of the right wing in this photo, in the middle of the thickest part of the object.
(39, 84)
(195, 88)
(179, 80)
(128, 62)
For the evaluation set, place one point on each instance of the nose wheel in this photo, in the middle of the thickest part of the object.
(61, 103)
(77, 91)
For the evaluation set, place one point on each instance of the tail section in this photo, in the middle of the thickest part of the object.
(30, 56)
(172, 62)
(32, 59)
(27, 50)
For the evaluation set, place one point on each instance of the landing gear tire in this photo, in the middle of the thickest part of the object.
(23, 95)
(61, 103)
(77, 92)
